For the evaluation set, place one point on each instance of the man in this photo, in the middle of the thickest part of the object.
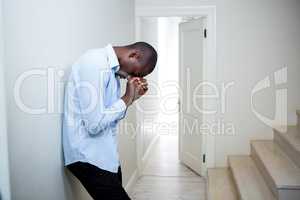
(93, 107)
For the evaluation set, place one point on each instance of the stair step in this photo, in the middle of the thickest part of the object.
(289, 142)
(281, 174)
(250, 184)
(221, 185)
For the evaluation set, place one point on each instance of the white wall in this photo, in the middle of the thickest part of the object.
(4, 171)
(148, 105)
(254, 39)
(40, 34)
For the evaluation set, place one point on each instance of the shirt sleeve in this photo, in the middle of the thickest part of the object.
(95, 114)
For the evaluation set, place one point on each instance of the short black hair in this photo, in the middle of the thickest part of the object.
(149, 53)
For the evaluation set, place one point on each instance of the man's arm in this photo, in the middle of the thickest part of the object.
(95, 115)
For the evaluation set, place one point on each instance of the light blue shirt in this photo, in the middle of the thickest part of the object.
(92, 110)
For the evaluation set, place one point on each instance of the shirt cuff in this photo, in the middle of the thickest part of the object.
(120, 106)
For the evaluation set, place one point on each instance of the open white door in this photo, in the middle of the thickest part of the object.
(191, 49)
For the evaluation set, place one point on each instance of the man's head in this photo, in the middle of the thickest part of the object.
(138, 59)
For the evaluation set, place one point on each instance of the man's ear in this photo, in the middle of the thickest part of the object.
(134, 54)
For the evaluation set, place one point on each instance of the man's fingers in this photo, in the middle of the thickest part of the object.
(139, 82)
(145, 88)
(133, 79)
(128, 77)
(144, 84)
(144, 91)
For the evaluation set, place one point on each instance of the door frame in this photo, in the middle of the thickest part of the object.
(209, 71)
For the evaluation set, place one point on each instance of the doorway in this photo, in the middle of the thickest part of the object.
(209, 71)
(170, 111)
(163, 158)
(165, 153)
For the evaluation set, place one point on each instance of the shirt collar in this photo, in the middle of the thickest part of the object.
(112, 58)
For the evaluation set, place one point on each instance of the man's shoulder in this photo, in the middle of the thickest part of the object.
(94, 57)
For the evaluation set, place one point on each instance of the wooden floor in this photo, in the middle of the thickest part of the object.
(166, 178)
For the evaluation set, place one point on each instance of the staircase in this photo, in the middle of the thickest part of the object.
(271, 172)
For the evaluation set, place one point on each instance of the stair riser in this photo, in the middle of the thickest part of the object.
(249, 183)
(220, 185)
(239, 196)
(287, 148)
(268, 179)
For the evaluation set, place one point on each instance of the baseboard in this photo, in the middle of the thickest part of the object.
(149, 150)
(132, 181)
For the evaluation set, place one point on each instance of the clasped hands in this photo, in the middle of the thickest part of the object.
(135, 88)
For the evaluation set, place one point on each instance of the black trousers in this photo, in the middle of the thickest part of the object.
(100, 184)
